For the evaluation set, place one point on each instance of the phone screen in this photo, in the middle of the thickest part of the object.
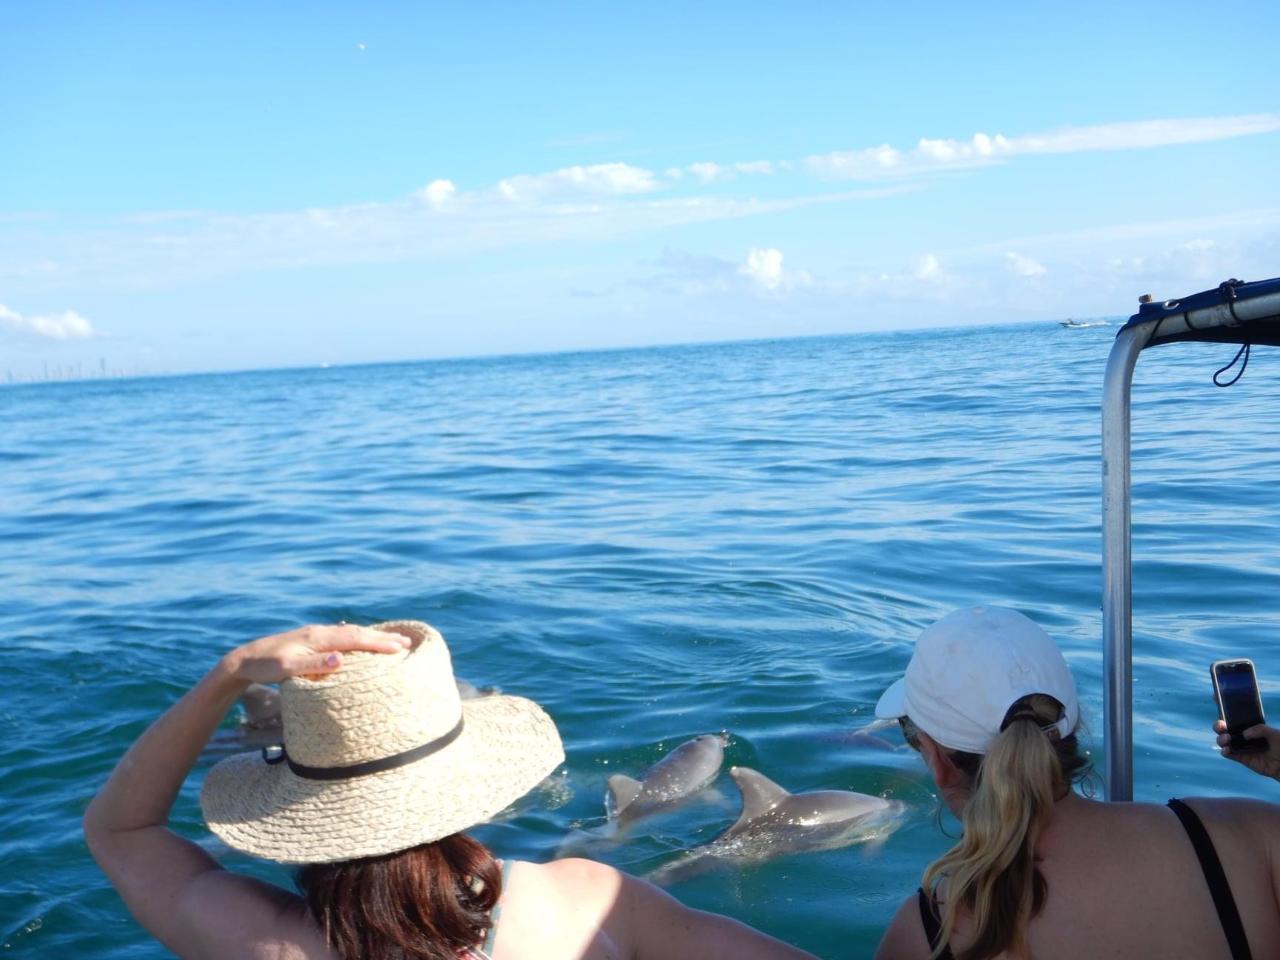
(1238, 693)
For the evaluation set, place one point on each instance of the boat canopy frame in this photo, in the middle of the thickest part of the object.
(1233, 312)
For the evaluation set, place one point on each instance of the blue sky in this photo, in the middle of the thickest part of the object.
(192, 187)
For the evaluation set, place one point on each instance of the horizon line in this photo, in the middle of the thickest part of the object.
(477, 357)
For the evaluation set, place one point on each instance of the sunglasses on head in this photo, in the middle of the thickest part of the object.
(910, 733)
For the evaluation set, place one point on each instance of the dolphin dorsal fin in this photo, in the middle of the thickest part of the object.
(261, 704)
(622, 791)
(759, 793)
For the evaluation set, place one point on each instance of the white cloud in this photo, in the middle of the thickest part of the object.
(67, 325)
(763, 267)
(1101, 270)
(986, 283)
(982, 149)
(1240, 222)
(597, 180)
(686, 274)
(707, 172)
(142, 255)
(1141, 134)
(437, 194)
(1201, 261)
(1023, 266)
(573, 204)
(866, 164)
(927, 268)
(760, 272)
(923, 279)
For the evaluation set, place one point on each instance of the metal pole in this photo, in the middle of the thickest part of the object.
(1117, 582)
(1261, 307)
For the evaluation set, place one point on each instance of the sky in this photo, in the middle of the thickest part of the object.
(189, 187)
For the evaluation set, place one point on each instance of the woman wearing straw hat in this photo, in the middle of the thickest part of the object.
(381, 768)
(1042, 871)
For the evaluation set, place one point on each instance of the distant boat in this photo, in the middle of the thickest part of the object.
(1081, 324)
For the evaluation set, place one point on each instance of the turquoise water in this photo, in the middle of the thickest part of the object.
(653, 543)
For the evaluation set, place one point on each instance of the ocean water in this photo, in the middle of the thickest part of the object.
(652, 543)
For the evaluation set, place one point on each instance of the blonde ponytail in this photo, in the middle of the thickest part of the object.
(991, 874)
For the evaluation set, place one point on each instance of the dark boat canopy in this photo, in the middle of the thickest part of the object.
(1232, 312)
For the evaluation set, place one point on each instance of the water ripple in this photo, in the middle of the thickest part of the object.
(653, 543)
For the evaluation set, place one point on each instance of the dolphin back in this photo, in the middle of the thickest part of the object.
(675, 778)
(776, 822)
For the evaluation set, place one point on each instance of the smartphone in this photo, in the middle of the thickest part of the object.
(1235, 687)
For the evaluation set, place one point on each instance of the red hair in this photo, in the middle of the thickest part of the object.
(429, 902)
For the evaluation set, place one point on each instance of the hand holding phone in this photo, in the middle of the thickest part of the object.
(1235, 687)
(1265, 762)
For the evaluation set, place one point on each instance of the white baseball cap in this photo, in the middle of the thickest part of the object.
(969, 668)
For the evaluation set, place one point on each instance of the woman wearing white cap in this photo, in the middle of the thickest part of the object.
(381, 768)
(1041, 871)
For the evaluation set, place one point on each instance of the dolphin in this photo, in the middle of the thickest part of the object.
(469, 691)
(869, 741)
(261, 707)
(675, 778)
(868, 737)
(774, 823)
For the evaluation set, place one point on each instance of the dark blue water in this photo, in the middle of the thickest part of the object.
(654, 544)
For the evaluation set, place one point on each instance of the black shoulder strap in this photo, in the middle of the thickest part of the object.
(1216, 878)
(932, 925)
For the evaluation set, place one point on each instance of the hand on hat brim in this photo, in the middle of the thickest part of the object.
(311, 651)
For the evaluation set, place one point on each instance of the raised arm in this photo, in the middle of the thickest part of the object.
(154, 869)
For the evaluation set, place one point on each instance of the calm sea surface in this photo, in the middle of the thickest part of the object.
(652, 543)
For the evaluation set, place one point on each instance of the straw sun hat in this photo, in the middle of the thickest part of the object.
(380, 756)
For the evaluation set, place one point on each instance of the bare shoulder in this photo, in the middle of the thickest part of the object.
(616, 900)
(575, 870)
(1253, 821)
(562, 908)
(1115, 825)
(576, 878)
(1134, 813)
(904, 937)
(604, 912)
(1240, 809)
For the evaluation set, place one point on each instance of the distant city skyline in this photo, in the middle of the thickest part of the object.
(186, 189)
(57, 373)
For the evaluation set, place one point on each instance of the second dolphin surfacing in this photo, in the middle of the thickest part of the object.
(774, 822)
(671, 781)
